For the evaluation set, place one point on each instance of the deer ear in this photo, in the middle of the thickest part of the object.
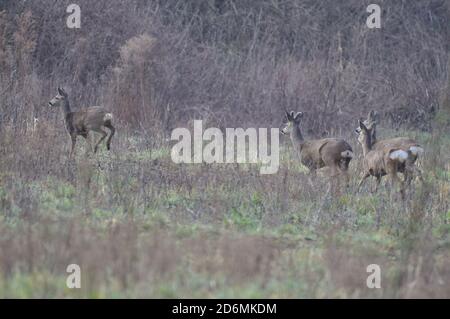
(287, 114)
(298, 116)
(372, 115)
(60, 90)
(362, 126)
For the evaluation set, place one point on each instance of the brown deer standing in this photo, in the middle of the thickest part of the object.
(315, 154)
(414, 149)
(381, 161)
(94, 119)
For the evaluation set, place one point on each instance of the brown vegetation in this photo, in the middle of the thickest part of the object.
(141, 226)
(209, 60)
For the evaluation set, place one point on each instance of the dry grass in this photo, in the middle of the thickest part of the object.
(141, 226)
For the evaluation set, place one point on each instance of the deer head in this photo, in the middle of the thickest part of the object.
(289, 121)
(59, 98)
(365, 133)
(370, 123)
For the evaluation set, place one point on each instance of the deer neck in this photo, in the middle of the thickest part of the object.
(367, 145)
(373, 139)
(296, 136)
(66, 107)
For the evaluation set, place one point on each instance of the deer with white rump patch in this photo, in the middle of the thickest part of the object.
(315, 154)
(409, 145)
(94, 118)
(381, 161)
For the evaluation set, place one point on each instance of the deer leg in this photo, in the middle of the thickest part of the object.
(346, 176)
(347, 179)
(409, 174)
(104, 135)
(334, 180)
(407, 177)
(412, 172)
(362, 181)
(396, 180)
(402, 188)
(113, 130)
(377, 184)
(73, 138)
(312, 176)
(418, 173)
(88, 141)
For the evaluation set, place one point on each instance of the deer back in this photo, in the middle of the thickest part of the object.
(88, 119)
(323, 150)
(396, 142)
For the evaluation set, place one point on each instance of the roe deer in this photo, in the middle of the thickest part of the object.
(406, 144)
(314, 154)
(94, 119)
(381, 161)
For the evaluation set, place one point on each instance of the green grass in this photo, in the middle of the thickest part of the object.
(140, 228)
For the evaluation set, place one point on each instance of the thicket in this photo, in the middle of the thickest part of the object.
(159, 64)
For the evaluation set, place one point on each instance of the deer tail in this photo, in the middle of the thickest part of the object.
(108, 117)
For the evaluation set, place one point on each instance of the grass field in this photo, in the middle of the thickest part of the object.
(141, 226)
